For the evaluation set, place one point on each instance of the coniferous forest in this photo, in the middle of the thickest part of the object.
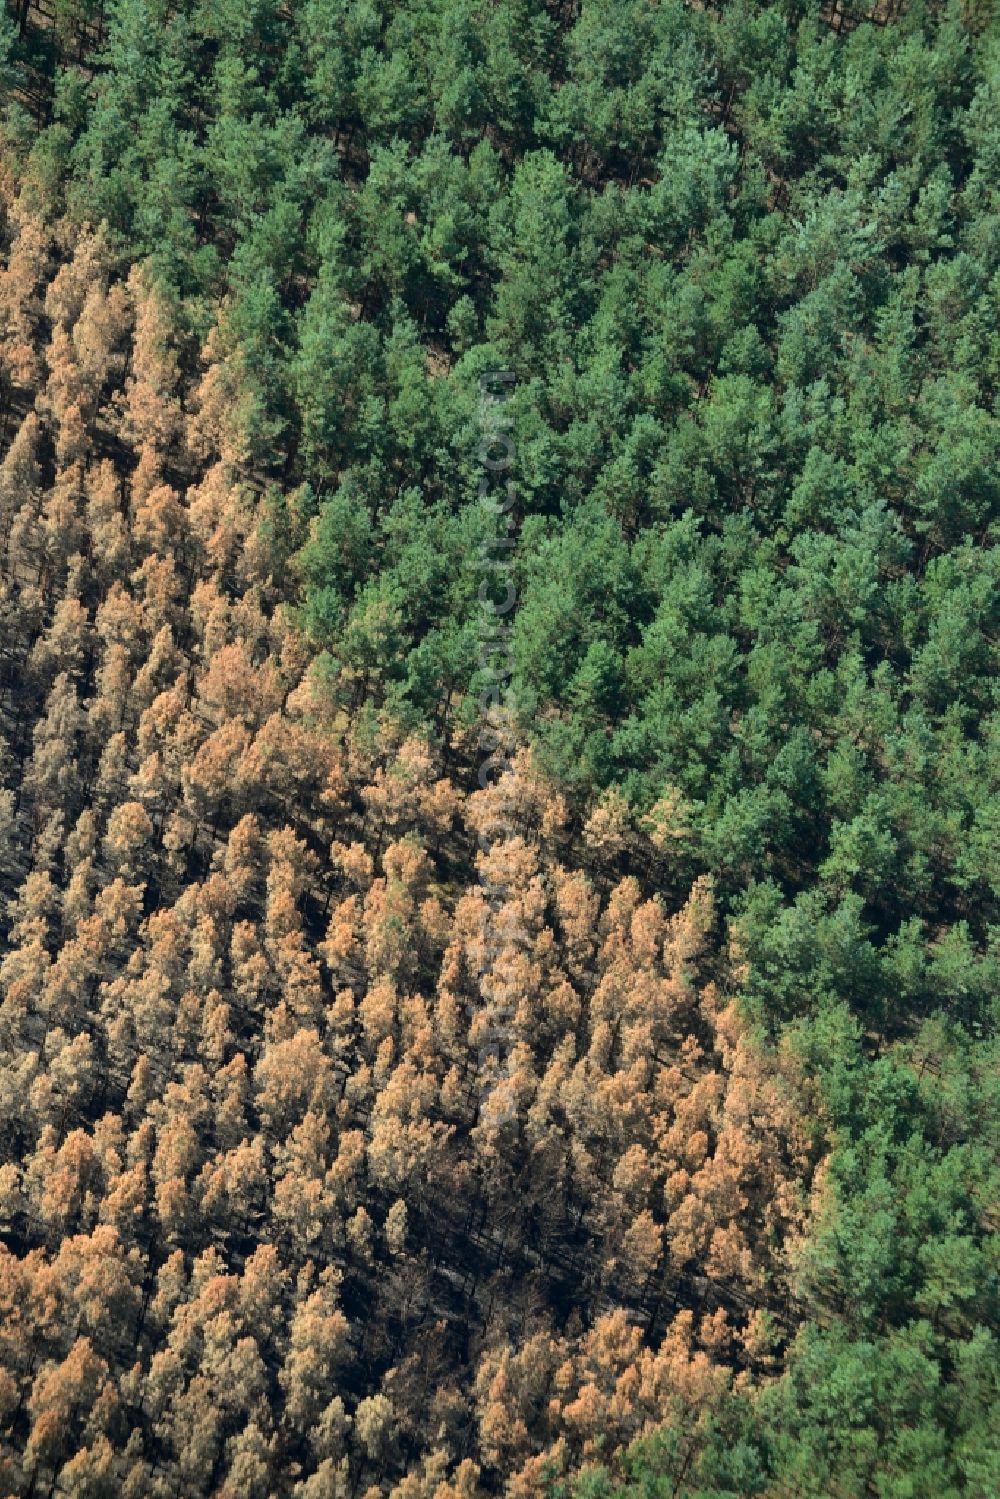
(499, 772)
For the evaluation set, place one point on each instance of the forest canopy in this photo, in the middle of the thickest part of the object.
(623, 1122)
